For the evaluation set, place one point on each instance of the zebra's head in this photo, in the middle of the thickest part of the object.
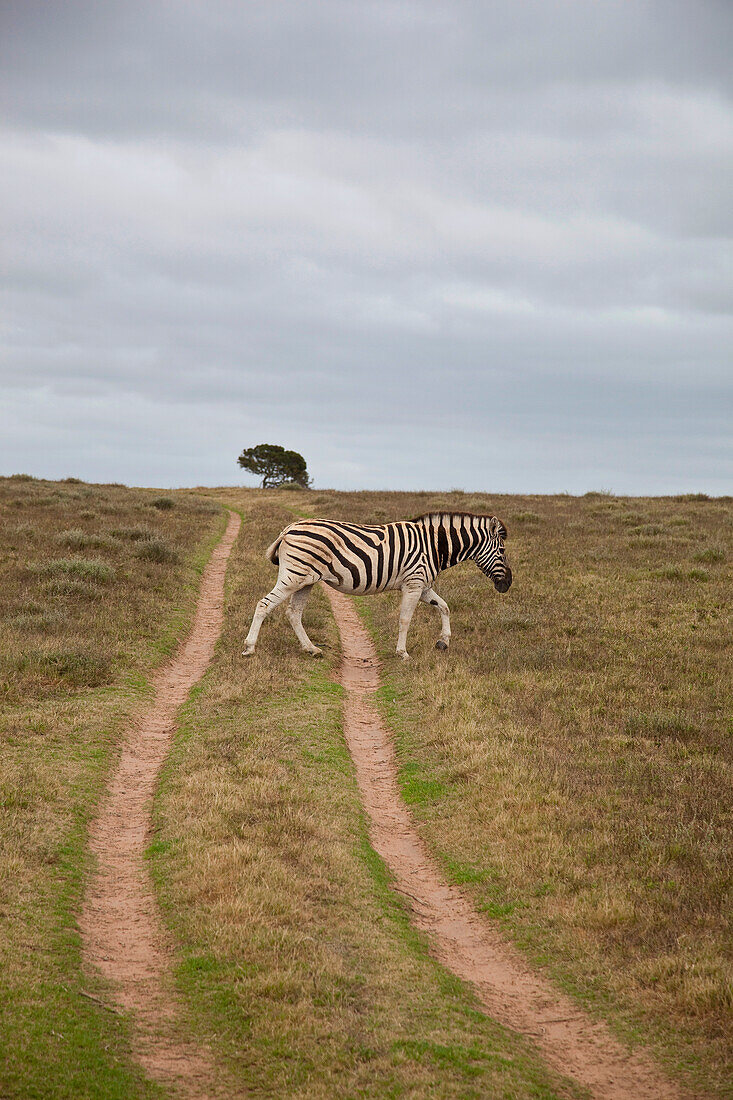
(491, 556)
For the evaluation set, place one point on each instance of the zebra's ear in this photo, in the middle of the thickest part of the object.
(496, 527)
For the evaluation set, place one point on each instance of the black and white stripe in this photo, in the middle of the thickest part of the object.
(365, 558)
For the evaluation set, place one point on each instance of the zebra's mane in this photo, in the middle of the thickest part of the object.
(451, 515)
(438, 516)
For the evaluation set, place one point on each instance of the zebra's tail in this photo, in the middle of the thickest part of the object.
(272, 551)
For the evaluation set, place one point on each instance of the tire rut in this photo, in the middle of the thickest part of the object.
(122, 932)
(511, 993)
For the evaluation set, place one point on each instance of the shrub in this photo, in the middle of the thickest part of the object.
(670, 573)
(22, 477)
(711, 555)
(141, 533)
(42, 621)
(79, 540)
(89, 569)
(647, 529)
(674, 573)
(72, 480)
(164, 504)
(25, 531)
(73, 668)
(659, 724)
(72, 589)
(156, 550)
(631, 519)
(526, 517)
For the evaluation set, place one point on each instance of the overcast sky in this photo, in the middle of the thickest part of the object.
(427, 243)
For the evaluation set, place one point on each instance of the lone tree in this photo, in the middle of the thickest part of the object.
(274, 465)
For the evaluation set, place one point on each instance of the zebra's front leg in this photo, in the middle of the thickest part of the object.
(294, 612)
(430, 596)
(410, 600)
(267, 604)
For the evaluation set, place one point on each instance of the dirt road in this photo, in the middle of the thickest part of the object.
(121, 929)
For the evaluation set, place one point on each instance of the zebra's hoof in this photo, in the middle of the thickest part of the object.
(440, 644)
(404, 656)
(248, 652)
(315, 652)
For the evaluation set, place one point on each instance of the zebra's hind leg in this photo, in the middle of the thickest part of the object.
(410, 599)
(294, 612)
(267, 604)
(432, 597)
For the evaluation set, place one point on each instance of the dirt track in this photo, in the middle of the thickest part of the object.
(121, 929)
(460, 939)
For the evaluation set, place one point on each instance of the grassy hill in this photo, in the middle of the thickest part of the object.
(568, 762)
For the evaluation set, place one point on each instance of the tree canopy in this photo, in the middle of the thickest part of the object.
(274, 465)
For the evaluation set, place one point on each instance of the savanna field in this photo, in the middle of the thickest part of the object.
(567, 762)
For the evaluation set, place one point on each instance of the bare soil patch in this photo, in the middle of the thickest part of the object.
(568, 1039)
(121, 929)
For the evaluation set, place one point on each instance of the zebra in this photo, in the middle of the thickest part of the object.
(365, 558)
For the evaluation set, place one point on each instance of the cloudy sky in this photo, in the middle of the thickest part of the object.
(427, 243)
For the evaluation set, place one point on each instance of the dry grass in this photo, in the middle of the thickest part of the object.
(568, 762)
(298, 963)
(82, 623)
(569, 759)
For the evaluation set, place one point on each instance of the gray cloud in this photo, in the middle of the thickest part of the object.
(426, 243)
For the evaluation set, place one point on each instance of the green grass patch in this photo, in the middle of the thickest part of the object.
(77, 539)
(660, 724)
(416, 789)
(678, 573)
(156, 550)
(87, 569)
(711, 555)
(135, 533)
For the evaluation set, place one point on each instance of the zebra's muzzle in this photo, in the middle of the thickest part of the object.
(505, 584)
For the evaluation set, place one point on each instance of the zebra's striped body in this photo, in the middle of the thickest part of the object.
(365, 558)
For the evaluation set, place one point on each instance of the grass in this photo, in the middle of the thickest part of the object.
(70, 677)
(99, 572)
(138, 533)
(711, 555)
(77, 539)
(568, 763)
(156, 550)
(569, 760)
(297, 962)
